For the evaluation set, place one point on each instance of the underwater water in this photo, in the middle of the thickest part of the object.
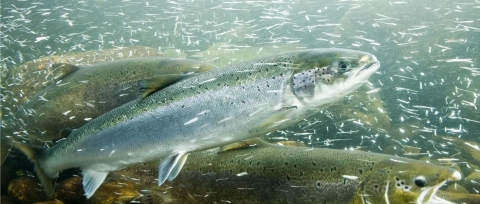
(422, 99)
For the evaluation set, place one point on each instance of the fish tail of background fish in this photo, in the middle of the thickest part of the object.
(33, 155)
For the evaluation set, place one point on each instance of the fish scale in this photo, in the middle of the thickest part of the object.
(200, 112)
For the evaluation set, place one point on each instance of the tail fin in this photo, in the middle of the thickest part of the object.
(32, 156)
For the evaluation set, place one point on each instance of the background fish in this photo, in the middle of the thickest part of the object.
(259, 172)
(82, 93)
(212, 109)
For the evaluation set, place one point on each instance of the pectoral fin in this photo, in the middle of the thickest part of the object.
(153, 84)
(170, 167)
(92, 180)
(269, 124)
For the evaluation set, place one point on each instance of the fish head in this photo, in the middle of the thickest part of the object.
(405, 181)
(323, 76)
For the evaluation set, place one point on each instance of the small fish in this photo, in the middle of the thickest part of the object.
(211, 109)
(286, 174)
(85, 92)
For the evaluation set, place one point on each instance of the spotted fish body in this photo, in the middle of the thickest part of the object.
(86, 92)
(201, 112)
(268, 173)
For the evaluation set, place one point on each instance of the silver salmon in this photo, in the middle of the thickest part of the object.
(208, 110)
(260, 172)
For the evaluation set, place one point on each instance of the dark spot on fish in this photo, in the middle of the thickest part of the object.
(183, 106)
(397, 179)
(398, 184)
(406, 187)
(376, 186)
(403, 182)
(243, 101)
(360, 171)
(301, 173)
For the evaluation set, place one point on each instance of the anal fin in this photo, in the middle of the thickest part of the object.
(170, 167)
(92, 180)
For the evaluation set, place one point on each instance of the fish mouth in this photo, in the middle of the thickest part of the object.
(370, 66)
(367, 66)
(364, 72)
(429, 194)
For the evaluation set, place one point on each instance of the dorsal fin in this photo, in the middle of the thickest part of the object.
(153, 84)
(254, 142)
(291, 143)
(63, 70)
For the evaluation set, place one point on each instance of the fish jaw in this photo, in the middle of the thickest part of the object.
(429, 195)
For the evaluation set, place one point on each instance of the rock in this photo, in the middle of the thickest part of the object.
(115, 192)
(50, 202)
(6, 200)
(70, 191)
(26, 190)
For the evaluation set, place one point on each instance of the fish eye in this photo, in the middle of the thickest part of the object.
(420, 181)
(344, 66)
